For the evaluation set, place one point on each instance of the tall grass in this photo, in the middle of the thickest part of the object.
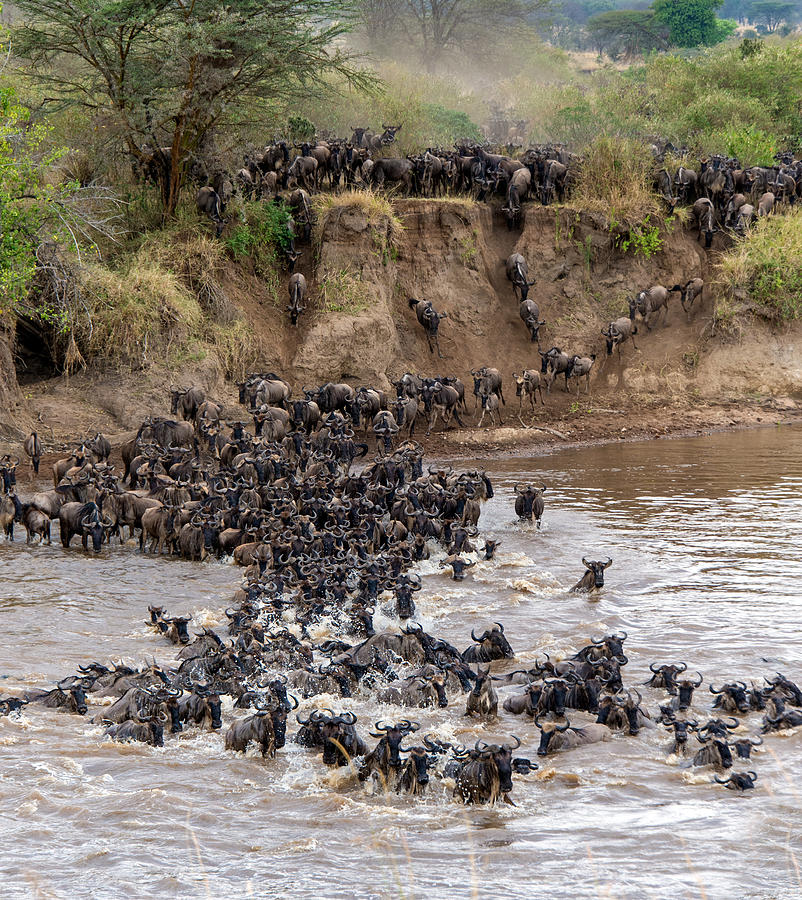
(762, 271)
(386, 227)
(616, 179)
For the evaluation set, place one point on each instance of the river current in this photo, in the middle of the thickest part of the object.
(705, 537)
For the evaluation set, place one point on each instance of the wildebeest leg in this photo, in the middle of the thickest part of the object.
(456, 416)
(429, 339)
(437, 342)
(482, 417)
(432, 419)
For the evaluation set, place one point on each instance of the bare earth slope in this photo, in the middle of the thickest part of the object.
(453, 252)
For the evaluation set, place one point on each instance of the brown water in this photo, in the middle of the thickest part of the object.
(705, 537)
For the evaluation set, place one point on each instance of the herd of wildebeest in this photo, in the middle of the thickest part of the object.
(723, 194)
(320, 538)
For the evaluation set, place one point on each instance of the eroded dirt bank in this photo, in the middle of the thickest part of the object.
(682, 378)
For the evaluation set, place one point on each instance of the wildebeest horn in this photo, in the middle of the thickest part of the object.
(756, 742)
(684, 667)
(654, 667)
(348, 718)
(474, 638)
(735, 724)
(719, 780)
(714, 691)
(517, 743)
(585, 563)
(701, 679)
(500, 627)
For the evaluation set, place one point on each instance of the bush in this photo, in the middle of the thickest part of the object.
(764, 269)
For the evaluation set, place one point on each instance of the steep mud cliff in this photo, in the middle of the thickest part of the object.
(359, 328)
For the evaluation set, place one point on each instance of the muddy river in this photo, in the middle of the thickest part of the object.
(705, 535)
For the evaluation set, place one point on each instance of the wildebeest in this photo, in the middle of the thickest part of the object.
(738, 781)
(86, 520)
(483, 699)
(201, 707)
(665, 676)
(209, 204)
(188, 400)
(429, 319)
(257, 728)
(69, 694)
(704, 214)
(563, 737)
(486, 773)
(10, 512)
(685, 689)
(715, 752)
(529, 503)
(491, 645)
(731, 698)
(297, 291)
(35, 522)
(593, 579)
(384, 760)
(580, 367)
(518, 274)
(621, 330)
(33, 448)
(527, 384)
(147, 730)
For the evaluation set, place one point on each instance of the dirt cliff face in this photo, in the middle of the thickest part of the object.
(454, 254)
(358, 326)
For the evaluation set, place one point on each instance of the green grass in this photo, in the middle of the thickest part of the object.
(762, 271)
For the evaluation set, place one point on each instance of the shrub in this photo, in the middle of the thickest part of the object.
(764, 269)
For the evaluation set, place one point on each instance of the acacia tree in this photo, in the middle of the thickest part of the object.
(437, 26)
(626, 31)
(165, 73)
(692, 23)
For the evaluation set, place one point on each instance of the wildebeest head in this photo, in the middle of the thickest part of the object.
(681, 728)
(391, 736)
(732, 694)
(493, 642)
(597, 568)
(179, 624)
(547, 732)
(685, 689)
(331, 733)
(213, 705)
(743, 746)
(420, 760)
(738, 781)
(501, 754)
(74, 691)
(666, 676)
(631, 708)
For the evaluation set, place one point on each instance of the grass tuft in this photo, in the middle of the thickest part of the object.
(615, 179)
(762, 271)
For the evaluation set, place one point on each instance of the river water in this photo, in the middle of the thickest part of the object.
(705, 536)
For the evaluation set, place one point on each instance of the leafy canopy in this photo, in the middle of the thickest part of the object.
(163, 74)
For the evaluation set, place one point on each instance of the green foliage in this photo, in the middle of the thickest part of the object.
(33, 211)
(448, 125)
(627, 32)
(299, 128)
(691, 23)
(698, 101)
(643, 239)
(764, 270)
(748, 142)
(262, 235)
(164, 74)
